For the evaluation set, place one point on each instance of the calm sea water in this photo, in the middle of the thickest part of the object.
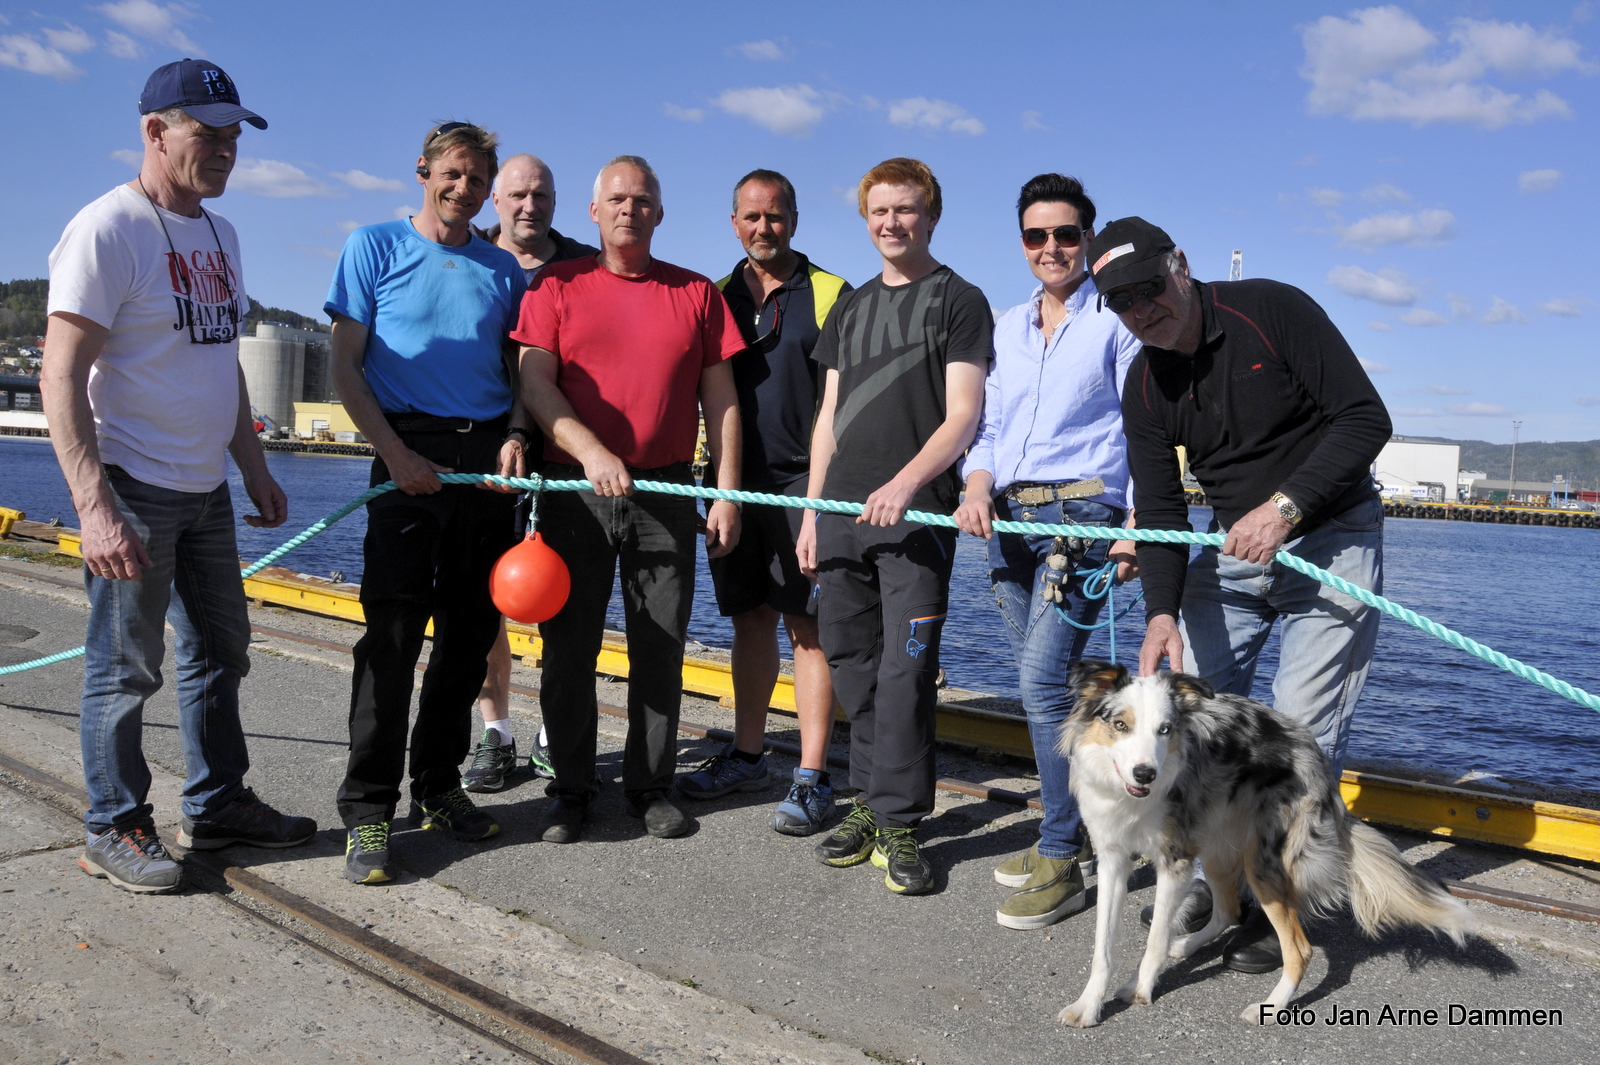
(1533, 593)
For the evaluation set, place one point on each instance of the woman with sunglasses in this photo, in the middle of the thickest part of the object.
(1050, 449)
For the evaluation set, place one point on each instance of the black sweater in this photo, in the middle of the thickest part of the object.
(1274, 400)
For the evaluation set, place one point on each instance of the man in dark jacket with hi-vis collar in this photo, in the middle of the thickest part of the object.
(1281, 426)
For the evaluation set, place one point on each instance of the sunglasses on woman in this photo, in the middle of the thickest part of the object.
(1066, 236)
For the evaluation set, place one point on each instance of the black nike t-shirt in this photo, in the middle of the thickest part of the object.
(891, 345)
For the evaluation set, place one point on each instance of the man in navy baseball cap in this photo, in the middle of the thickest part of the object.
(202, 89)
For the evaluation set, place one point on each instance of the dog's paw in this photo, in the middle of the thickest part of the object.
(1179, 948)
(1131, 992)
(1081, 1014)
(1260, 1014)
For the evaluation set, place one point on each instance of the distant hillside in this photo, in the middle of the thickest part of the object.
(1579, 460)
(22, 311)
(259, 313)
(22, 306)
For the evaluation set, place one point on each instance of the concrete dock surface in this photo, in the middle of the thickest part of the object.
(731, 944)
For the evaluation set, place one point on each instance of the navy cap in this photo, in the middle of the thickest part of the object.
(199, 87)
(1127, 252)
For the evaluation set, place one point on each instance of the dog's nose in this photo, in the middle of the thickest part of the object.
(1144, 774)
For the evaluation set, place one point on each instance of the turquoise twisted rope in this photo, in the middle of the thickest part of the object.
(1097, 532)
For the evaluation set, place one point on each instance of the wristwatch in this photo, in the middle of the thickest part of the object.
(517, 430)
(1287, 509)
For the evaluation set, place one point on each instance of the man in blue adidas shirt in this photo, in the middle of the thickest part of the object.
(780, 300)
(420, 308)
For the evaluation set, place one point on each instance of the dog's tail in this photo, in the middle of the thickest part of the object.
(1386, 891)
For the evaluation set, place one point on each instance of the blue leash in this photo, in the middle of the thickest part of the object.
(1099, 584)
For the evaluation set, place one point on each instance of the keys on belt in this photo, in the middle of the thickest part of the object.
(1037, 495)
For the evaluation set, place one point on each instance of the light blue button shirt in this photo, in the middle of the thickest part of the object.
(1052, 410)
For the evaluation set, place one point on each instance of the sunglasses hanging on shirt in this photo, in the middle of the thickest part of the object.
(224, 332)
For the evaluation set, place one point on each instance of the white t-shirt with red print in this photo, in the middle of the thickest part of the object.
(165, 390)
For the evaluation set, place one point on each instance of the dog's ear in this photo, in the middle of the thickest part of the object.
(1190, 689)
(1091, 679)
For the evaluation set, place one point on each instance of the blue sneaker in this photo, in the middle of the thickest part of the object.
(723, 773)
(807, 808)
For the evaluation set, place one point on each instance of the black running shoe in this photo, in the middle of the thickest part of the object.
(492, 762)
(245, 820)
(850, 843)
(452, 813)
(539, 760)
(897, 851)
(366, 854)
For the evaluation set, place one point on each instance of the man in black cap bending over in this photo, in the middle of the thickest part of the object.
(1281, 426)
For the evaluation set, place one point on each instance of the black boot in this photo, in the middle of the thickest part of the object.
(1254, 947)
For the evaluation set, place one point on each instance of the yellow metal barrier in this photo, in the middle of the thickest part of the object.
(8, 518)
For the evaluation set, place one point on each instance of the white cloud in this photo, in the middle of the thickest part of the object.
(1381, 327)
(1460, 306)
(1422, 316)
(1383, 230)
(1389, 287)
(1417, 412)
(153, 22)
(1477, 410)
(759, 50)
(1383, 192)
(132, 156)
(1382, 64)
(122, 46)
(268, 177)
(1564, 308)
(349, 227)
(1030, 121)
(1372, 367)
(28, 55)
(403, 212)
(360, 179)
(1587, 401)
(1501, 312)
(1446, 390)
(789, 109)
(69, 38)
(1326, 197)
(321, 253)
(921, 112)
(1538, 180)
(683, 114)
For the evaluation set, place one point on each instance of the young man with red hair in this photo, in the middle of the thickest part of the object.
(906, 355)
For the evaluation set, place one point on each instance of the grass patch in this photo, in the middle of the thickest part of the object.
(689, 983)
(49, 558)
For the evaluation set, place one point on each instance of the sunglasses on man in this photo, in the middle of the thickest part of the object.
(1122, 300)
(1066, 237)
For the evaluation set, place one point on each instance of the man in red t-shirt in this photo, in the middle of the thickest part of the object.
(619, 350)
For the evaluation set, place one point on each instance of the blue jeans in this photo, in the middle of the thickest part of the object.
(190, 539)
(1046, 645)
(1327, 638)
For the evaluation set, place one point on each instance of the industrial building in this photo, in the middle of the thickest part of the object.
(287, 368)
(1422, 471)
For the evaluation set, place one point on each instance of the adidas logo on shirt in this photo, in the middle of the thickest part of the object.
(450, 264)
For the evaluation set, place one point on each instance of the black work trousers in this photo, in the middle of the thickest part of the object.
(426, 556)
(652, 537)
(881, 603)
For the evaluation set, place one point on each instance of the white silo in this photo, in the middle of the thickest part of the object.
(273, 371)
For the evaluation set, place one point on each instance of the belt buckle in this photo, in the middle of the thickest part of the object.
(468, 429)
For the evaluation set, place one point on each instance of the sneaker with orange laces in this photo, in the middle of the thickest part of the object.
(133, 858)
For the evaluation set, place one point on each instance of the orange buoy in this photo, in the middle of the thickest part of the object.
(530, 582)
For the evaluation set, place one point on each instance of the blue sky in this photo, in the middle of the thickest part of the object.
(1426, 171)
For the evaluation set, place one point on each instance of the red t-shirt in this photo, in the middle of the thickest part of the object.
(630, 352)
